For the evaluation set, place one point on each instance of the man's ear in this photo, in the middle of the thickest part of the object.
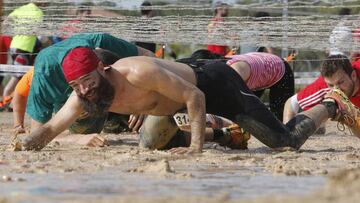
(100, 66)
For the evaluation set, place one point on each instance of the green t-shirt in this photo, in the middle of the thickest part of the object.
(49, 89)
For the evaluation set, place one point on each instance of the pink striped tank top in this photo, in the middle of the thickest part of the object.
(265, 69)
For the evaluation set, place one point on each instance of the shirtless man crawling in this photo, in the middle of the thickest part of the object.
(144, 85)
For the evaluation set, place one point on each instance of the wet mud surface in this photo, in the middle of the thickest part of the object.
(324, 170)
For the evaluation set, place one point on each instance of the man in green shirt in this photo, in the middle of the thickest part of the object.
(49, 89)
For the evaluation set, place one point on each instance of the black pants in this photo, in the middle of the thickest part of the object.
(227, 95)
(280, 92)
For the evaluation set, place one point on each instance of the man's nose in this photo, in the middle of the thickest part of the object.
(83, 89)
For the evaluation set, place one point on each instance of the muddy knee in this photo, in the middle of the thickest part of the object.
(157, 131)
(87, 124)
(301, 128)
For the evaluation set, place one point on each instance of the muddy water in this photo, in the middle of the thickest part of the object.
(68, 173)
(236, 184)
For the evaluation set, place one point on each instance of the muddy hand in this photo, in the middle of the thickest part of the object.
(97, 141)
(184, 150)
(16, 144)
(93, 140)
(33, 142)
(19, 130)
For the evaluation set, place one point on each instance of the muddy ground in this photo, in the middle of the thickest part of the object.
(326, 169)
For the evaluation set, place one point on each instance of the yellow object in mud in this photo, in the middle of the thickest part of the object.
(347, 113)
(239, 137)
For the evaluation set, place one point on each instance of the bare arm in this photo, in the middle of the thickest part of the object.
(177, 89)
(144, 52)
(290, 109)
(40, 137)
(19, 106)
(35, 125)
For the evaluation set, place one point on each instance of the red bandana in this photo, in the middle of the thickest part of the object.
(79, 62)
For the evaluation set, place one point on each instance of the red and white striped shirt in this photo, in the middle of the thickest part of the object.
(265, 69)
(314, 93)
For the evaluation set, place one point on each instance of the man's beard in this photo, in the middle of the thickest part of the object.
(104, 95)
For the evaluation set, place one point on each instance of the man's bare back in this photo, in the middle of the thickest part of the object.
(132, 97)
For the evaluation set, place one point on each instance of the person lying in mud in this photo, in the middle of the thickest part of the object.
(19, 106)
(145, 85)
(260, 71)
(336, 71)
(49, 89)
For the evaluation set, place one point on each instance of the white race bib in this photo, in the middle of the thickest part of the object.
(182, 121)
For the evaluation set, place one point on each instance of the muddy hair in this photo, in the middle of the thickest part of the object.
(107, 57)
(334, 63)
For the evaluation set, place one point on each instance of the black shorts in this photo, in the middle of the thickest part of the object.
(221, 86)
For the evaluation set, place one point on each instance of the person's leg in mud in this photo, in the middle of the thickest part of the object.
(116, 123)
(161, 132)
(107, 122)
(87, 124)
(263, 125)
(281, 91)
(234, 100)
(157, 132)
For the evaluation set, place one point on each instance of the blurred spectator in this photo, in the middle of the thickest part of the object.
(4, 49)
(23, 47)
(341, 36)
(74, 26)
(216, 26)
(355, 55)
(146, 12)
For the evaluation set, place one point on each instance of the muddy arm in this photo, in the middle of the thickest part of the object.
(40, 137)
(181, 91)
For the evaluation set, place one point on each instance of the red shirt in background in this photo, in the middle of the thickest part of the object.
(72, 27)
(5, 42)
(314, 93)
(215, 26)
